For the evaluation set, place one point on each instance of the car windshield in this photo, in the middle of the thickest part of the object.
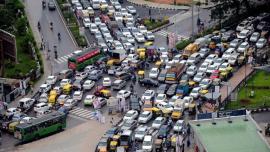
(147, 94)
(160, 97)
(205, 82)
(102, 144)
(223, 66)
(190, 69)
(194, 91)
(261, 41)
(147, 143)
(88, 97)
(242, 34)
(140, 132)
(157, 121)
(199, 76)
(211, 68)
(192, 58)
(167, 106)
(128, 124)
(204, 66)
(210, 57)
(129, 114)
(144, 115)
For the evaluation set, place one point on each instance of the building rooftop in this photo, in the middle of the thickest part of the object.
(238, 136)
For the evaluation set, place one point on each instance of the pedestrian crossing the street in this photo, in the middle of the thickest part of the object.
(63, 58)
(82, 113)
(165, 33)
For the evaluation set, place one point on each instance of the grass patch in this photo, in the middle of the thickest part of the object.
(261, 96)
(155, 23)
(182, 44)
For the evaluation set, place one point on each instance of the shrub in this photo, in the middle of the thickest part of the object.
(182, 44)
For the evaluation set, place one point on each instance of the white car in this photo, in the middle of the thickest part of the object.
(242, 26)
(44, 88)
(243, 34)
(64, 82)
(118, 16)
(128, 18)
(149, 36)
(233, 59)
(211, 69)
(97, 21)
(62, 98)
(123, 94)
(194, 59)
(154, 73)
(243, 47)
(192, 70)
(145, 116)
(140, 132)
(130, 39)
(77, 95)
(210, 58)
(89, 99)
(88, 84)
(218, 62)
(51, 80)
(131, 10)
(161, 98)
(86, 22)
(164, 58)
(93, 28)
(179, 125)
(148, 95)
(173, 99)
(203, 67)
(195, 92)
(199, 77)
(70, 103)
(158, 122)
(107, 82)
(43, 98)
(142, 29)
(139, 38)
(147, 144)
(12, 111)
(81, 75)
(254, 37)
(41, 107)
(261, 43)
(228, 53)
(205, 83)
(165, 107)
(224, 66)
(131, 115)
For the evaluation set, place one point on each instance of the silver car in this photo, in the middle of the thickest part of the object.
(140, 132)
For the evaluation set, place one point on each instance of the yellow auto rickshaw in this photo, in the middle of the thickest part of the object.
(158, 64)
(156, 112)
(114, 143)
(52, 97)
(141, 74)
(191, 83)
(204, 91)
(12, 126)
(105, 93)
(148, 43)
(67, 88)
(110, 62)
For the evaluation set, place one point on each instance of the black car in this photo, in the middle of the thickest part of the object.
(125, 76)
(148, 82)
(171, 91)
(162, 89)
(112, 131)
(51, 5)
(164, 131)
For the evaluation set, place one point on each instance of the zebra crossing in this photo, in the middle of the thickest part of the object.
(63, 58)
(82, 113)
(165, 33)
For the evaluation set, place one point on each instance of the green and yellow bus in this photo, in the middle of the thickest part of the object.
(40, 127)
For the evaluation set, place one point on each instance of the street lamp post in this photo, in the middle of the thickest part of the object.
(192, 17)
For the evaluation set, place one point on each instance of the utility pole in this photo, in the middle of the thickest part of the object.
(192, 17)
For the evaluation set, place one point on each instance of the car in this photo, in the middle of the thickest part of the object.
(261, 25)
(86, 22)
(88, 84)
(164, 131)
(41, 107)
(254, 37)
(145, 117)
(129, 125)
(131, 10)
(194, 59)
(162, 89)
(142, 29)
(218, 61)
(51, 5)
(89, 99)
(165, 107)
(106, 82)
(51, 80)
(211, 69)
(184, 78)
(243, 47)
(139, 37)
(128, 18)
(95, 75)
(77, 95)
(124, 76)
(123, 94)
(203, 67)
(195, 92)
(233, 59)
(117, 6)
(140, 132)
(64, 82)
(44, 88)
(132, 57)
(204, 52)
(148, 95)
(148, 82)
(224, 67)
(93, 28)
(261, 43)
(192, 70)
(118, 16)
(235, 43)
(78, 6)
(178, 126)
(131, 115)
(164, 58)
(173, 99)
(244, 34)
(210, 58)
(26, 119)
(97, 21)
(148, 143)
(11, 111)
(177, 58)
(149, 36)
(160, 98)
(205, 83)
(162, 75)
(111, 132)
(101, 102)
(228, 53)
(118, 84)
(43, 98)
(77, 84)
(104, 143)
(242, 26)
(130, 39)
(58, 90)
(70, 103)
(154, 73)
(228, 36)
(171, 91)
(199, 77)
(62, 98)
(158, 122)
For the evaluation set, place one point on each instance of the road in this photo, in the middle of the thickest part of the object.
(64, 47)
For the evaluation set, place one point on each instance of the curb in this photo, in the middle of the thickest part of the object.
(162, 27)
(258, 110)
(156, 7)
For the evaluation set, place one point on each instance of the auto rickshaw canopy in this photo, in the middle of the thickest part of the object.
(149, 43)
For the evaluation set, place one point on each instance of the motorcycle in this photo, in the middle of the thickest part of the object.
(51, 26)
(39, 27)
(59, 36)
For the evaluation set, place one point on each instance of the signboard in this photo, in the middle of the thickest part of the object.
(87, 56)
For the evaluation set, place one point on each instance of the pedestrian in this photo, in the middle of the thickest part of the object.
(31, 89)
(131, 88)
(183, 147)
(5, 105)
(111, 121)
(188, 143)
(167, 40)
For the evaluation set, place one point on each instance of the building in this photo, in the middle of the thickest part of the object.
(228, 134)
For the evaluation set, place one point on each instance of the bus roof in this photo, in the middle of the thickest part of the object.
(47, 117)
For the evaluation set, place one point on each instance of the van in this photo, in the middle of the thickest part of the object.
(65, 74)
(26, 103)
(118, 84)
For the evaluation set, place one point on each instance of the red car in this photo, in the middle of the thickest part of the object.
(215, 75)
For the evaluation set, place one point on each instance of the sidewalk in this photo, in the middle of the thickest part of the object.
(157, 5)
(236, 79)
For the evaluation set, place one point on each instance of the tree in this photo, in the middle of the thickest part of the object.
(5, 20)
(21, 26)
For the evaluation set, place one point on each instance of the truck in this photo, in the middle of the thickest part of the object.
(190, 49)
(80, 60)
(25, 104)
(116, 57)
(174, 73)
(182, 89)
